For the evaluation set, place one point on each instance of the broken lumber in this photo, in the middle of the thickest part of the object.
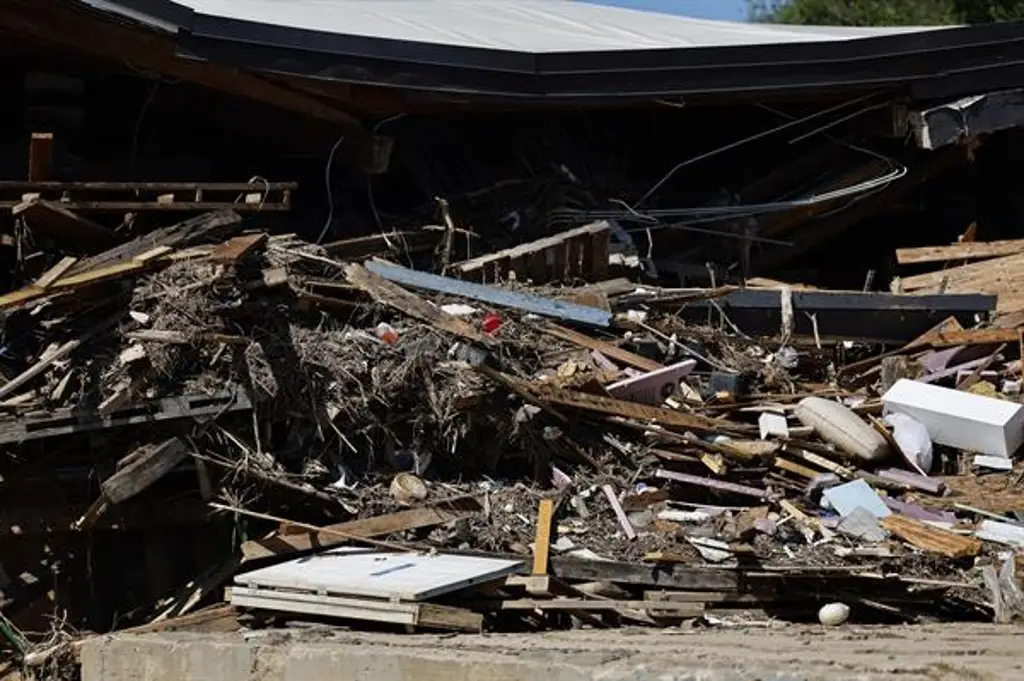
(542, 540)
(711, 483)
(963, 251)
(604, 347)
(633, 410)
(54, 273)
(339, 533)
(144, 470)
(237, 248)
(61, 225)
(61, 352)
(395, 296)
(620, 515)
(931, 539)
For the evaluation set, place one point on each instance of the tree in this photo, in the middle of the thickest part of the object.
(885, 12)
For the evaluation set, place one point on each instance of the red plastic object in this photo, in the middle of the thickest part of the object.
(491, 323)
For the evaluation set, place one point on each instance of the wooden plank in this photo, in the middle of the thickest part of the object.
(605, 348)
(987, 276)
(633, 410)
(144, 471)
(713, 597)
(339, 533)
(220, 618)
(393, 295)
(949, 339)
(434, 616)
(525, 251)
(931, 539)
(542, 540)
(962, 251)
(40, 156)
(105, 186)
(237, 249)
(613, 499)
(41, 366)
(797, 469)
(639, 574)
(166, 206)
(712, 483)
(59, 223)
(54, 273)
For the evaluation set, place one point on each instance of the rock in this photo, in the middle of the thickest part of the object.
(834, 614)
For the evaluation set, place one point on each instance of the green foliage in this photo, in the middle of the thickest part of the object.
(885, 12)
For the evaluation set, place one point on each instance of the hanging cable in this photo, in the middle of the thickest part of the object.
(330, 193)
(746, 140)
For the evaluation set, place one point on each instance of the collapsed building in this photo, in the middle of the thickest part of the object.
(280, 278)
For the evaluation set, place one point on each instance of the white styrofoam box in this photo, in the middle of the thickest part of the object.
(976, 423)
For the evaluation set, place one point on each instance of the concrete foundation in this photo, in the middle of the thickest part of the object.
(791, 654)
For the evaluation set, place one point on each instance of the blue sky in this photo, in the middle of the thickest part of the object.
(735, 10)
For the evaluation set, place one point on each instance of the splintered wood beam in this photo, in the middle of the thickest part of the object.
(393, 295)
(237, 249)
(620, 515)
(711, 483)
(40, 156)
(144, 470)
(542, 540)
(984, 276)
(949, 339)
(963, 251)
(605, 348)
(54, 273)
(366, 528)
(639, 412)
(62, 225)
(931, 539)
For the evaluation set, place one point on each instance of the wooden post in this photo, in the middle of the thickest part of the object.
(542, 542)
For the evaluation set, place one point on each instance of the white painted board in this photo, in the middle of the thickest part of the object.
(846, 499)
(1001, 533)
(371, 573)
(955, 418)
(326, 606)
(997, 463)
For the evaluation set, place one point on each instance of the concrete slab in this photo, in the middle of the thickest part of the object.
(766, 653)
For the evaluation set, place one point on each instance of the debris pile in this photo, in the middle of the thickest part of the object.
(489, 454)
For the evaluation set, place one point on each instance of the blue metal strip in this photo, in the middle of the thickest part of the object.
(488, 294)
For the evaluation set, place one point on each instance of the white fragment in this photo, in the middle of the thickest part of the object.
(773, 424)
(997, 463)
(834, 614)
(955, 418)
(912, 437)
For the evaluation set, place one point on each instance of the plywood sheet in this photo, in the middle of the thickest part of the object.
(371, 573)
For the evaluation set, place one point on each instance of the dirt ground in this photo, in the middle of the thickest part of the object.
(967, 652)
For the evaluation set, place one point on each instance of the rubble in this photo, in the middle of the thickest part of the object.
(445, 436)
(554, 408)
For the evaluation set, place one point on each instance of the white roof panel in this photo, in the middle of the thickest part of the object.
(534, 26)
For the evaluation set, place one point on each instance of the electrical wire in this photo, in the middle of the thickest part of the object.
(752, 138)
(369, 178)
(330, 193)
